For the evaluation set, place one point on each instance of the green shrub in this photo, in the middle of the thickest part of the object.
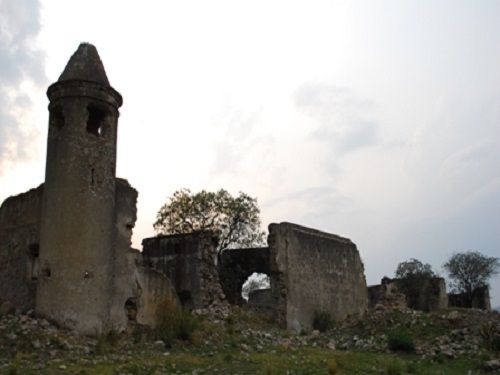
(322, 321)
(400, 340)
(174, 323)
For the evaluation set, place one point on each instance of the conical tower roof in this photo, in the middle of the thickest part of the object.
(85, 65)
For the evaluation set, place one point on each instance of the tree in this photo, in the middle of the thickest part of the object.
(470, 270)
(411, 276)
(235, 220)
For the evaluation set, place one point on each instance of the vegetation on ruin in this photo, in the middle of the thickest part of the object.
(174, 323)
(470, 270)
(410, 275)
(322, 321)
(235, 220)
(400, 340)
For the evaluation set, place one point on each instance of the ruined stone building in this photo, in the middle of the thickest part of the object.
(65, 246)
(310, 271)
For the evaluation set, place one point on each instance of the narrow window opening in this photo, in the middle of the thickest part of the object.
(131, 309)
(184, 297)
(56, 118)
(33, 254)
(96, 121)
(92, 178)
(34, 250)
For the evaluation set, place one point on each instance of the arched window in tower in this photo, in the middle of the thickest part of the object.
(96, 121)
(56, 118)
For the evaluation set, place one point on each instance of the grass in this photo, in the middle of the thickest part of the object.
(228, 348)
(271, 360)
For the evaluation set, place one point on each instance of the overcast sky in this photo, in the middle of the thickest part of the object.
(375, 120)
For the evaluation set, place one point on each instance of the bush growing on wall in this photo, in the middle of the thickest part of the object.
(322, 321)
(174, 323)
(400, 341)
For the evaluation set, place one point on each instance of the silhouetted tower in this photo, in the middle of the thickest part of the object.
(77, 229)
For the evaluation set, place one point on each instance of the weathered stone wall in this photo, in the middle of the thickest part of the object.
(137, 291)
(262, 301)
(188, 260)
(19, 247)
(386, 295)
(480, 299)
(236, 265)
(314, 271)
(432, 295)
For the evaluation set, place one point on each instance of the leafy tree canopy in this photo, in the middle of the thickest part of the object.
(410, 277)
(235, 220)
(414, 268)
(470, 270)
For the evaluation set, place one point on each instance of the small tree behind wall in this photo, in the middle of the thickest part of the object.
(236, 220)
(469, 271)
(411, 275)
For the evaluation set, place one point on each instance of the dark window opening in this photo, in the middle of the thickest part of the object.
(131, 309)
(56, 118)
(96, 121)
(33, 254)
(34, 250)
(46, 272)
(92, 177)
(184, 296)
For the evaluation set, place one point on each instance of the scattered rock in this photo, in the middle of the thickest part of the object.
(492, 365)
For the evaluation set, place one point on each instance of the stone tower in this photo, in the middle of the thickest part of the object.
(77, 232)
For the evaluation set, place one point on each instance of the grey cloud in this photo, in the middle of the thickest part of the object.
(20, 60)
(341, 116)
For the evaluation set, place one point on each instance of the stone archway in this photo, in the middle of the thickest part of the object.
(236, 265)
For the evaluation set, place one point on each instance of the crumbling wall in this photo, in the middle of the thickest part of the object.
(429, 295)
(314, 271)
(137, 291)
(262, 301)
(188, 260)
(386, 295)
(480, 299)
(155, 290)
(236, 265)
(19, 247)
(432, 295)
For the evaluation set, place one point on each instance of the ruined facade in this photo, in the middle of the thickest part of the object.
(480, 299)
(430, 295)
(20, 247)
(65, 246)
(236, 265)
(188, 260)
(310, 271)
